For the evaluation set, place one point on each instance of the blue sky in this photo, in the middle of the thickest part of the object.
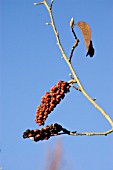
(31, 63)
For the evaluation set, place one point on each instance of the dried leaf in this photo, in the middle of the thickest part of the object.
(86, 31)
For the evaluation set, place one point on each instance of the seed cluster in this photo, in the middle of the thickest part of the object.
(44, 133)
(50, 100)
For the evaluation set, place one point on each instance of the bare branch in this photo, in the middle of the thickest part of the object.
(74, 33)
(74, 45)
(76, 88)
(75, 133)
(51, 4)
(73, 48)
(38, 3)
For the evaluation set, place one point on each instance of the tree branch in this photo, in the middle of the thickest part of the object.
(56, 130)
(76, 42)
(107, 117)
(75, 133)
(87, 133)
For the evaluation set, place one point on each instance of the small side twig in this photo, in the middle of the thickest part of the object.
(76, 88)
(74, 45)
(71, 81)
(38, 3)
(74, 33)
(51, 4)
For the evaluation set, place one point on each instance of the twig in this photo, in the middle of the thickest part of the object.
(92, 133)
(76, 88)
(75, 133)
(74, 33)
(73, 48)
(75, 44)
(71, 81)
(107, 117)
(38, 3)
(51, 4)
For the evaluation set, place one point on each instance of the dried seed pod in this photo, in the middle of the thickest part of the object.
(86, 31)
(50, 100)
(44, 133)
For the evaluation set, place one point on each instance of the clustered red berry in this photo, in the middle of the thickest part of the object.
(50, 100)
(44, 133)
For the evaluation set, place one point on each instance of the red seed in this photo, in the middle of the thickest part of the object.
(35, 130)
(29, 135)
(52, 105)
(40, 115)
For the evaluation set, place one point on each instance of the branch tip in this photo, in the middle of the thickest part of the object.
(38, 3)
(94, 99)
(48, 23)
(72, 23)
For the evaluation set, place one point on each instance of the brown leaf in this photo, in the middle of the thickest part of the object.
(86, 31)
